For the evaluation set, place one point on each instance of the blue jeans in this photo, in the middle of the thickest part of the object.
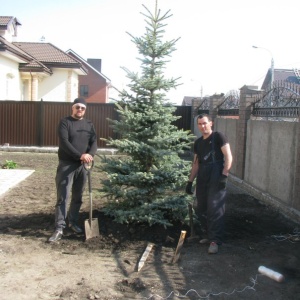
(210, 204)
(70, 177)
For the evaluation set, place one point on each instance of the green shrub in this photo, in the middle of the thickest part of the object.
(9, 164)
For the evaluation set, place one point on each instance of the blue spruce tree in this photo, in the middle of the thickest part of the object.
(145, 184)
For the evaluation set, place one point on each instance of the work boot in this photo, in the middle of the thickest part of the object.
(75, 228)
(56, 236)
(204, 240)
(213, 248)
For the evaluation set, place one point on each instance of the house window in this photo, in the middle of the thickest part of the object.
(84, 90)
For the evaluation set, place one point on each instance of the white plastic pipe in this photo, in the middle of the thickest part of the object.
(271, 274)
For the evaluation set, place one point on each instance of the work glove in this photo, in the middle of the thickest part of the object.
(223, 182)
(188, 188)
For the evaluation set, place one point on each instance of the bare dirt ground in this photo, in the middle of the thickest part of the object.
(106, 267)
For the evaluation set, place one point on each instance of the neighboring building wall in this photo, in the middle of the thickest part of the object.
(96, 85)
(95, 82)
(10, 84)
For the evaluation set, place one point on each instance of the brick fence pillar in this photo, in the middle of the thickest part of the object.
(247, 97)
(214, 102)
(195, 105)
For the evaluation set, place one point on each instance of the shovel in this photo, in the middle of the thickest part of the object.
(193, 236)
(91, 225)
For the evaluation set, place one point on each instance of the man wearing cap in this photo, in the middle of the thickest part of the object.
(77, 145)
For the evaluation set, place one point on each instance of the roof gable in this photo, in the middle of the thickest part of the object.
(5, 22)
(9, 27)
(287, 75)
(86, 63)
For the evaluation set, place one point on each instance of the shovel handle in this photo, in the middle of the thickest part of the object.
(88, 166)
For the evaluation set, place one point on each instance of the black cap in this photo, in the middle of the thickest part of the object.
(80, 100)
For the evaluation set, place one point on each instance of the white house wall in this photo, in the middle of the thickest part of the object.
(72, 86)
(10, 83)
(61, 86)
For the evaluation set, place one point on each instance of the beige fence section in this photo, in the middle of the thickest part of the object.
(266, 155)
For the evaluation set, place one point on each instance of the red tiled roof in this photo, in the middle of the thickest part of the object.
(6, 46)
(4, 21)
(31, 63)
(35, 66)
(46, 53)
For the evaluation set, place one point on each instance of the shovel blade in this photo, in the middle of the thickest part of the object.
(91, 228)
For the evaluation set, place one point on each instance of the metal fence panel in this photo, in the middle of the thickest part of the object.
(185, 122)
(32, 123)
(18, 123)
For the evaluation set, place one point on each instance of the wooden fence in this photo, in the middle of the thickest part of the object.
(34, 123)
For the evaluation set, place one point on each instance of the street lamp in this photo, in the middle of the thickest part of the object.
(201, 88)
(272, 63)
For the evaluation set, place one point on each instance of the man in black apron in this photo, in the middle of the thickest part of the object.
(211, 165)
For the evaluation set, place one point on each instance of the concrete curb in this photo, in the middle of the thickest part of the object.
(100, 151)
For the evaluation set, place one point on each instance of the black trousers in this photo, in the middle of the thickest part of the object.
(210, 204)
(70, 183)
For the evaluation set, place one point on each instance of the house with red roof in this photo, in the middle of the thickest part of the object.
(34, 71)
(93, 86)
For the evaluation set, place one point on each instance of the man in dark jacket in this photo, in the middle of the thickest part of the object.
(77, 146)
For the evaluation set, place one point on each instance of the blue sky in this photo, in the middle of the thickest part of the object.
(214, 53)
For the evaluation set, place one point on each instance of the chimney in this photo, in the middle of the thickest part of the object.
(95, 63)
